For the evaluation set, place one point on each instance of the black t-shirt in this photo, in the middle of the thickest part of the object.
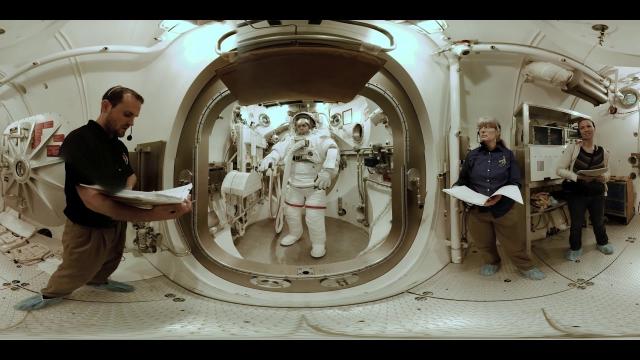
(91, 157)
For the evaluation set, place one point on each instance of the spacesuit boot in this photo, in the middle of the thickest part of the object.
(317, 233)
(293, 215)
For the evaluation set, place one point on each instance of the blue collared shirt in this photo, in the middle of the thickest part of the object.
(486, 171)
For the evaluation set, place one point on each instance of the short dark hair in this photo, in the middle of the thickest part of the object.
(581, 119)
(115, 94)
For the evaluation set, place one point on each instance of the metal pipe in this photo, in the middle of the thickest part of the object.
(122, 49)
(454, 153)
(468, 48)
(377, 182)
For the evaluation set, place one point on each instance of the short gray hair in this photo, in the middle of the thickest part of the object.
(488, 121)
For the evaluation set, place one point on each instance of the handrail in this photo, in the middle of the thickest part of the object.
(392, 44)
(126, 49)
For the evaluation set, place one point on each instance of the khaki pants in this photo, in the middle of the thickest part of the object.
(485, 230)
(89, 256)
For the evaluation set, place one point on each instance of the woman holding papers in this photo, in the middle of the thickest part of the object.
(584, 166)
(486, 169)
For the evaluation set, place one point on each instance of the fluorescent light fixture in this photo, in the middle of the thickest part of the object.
(176, 26)
(173, 28)
(432, 26)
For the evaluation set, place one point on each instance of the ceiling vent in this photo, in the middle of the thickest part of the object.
(587, 88)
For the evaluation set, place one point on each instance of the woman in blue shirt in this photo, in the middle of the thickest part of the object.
(486, 169)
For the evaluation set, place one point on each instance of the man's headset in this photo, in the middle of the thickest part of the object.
(107, 96)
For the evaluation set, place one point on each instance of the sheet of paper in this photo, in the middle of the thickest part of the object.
(146, 199)
(469, 196)
(510, 191)
(593, 172)
(9, 219)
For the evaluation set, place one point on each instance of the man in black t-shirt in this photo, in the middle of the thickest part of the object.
(94, 233)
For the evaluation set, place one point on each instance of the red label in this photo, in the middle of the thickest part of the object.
(39, 126)
(58, 138)
(53, 150)
(47, 124)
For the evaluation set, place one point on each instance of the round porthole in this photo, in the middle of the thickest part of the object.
(630, 97)
(336, 120)
(264, 120)
(632, 176)
(357, 133)
(632, 160)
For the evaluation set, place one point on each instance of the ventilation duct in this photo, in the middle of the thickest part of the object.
(587, 88)
(556, 75)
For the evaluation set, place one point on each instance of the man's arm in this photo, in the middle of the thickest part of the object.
(131, 182)
(100, 203)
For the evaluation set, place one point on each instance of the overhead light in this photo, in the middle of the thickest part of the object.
(432, 26)
(173, 28)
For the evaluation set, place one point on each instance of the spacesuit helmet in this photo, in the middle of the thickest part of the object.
(303, 118)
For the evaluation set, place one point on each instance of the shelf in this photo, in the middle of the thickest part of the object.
(550, 208)
(543, 183)
(555, 113)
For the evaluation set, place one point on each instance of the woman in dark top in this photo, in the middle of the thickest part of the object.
(585, 192)
(486, 169)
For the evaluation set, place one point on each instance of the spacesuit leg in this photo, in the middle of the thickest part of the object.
(294, 202)
(316, 205)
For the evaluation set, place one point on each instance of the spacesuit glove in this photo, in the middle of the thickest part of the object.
(323, 181)
(36, 302)
(264, 164)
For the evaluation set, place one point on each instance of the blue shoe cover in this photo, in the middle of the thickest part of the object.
(116, 286)
(488, 269)
(36, 302)
(533, 274)
(572, 255)
(606, 249)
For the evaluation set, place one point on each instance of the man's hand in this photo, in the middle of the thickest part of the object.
(493, 200)
(323, 181)
(173, 211)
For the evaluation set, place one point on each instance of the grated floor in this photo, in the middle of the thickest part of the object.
(596, 297)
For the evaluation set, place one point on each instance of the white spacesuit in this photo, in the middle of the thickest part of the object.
(311, 161)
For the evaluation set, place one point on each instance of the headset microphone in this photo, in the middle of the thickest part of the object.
(130, 136)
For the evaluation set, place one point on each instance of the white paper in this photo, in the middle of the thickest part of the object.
(9, 219)
(469, 196)
(593, 172)
(146, 199)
